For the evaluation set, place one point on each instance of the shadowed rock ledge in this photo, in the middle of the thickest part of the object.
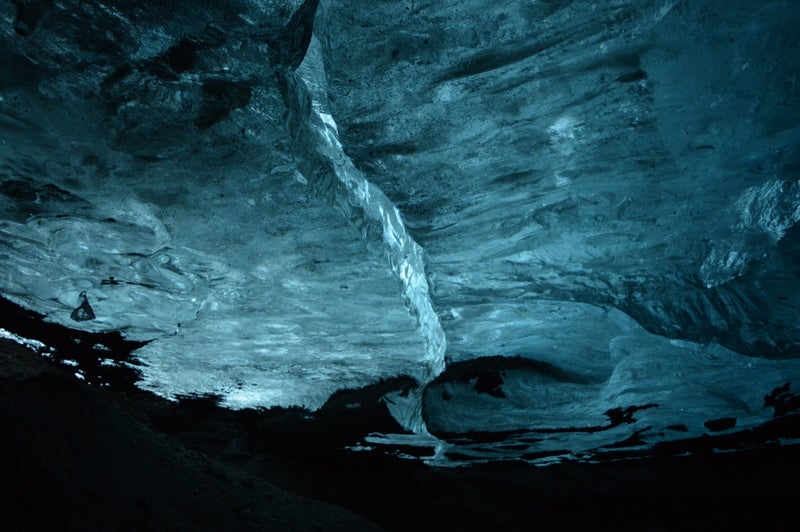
(117, 458)
(78, 457)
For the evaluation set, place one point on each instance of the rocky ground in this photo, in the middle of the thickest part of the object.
(113, 457)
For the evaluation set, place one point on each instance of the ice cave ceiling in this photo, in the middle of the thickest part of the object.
(573, 206)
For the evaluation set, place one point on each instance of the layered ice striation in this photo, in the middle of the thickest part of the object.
(574, 223)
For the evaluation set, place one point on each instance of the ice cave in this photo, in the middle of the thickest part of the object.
(565, 230)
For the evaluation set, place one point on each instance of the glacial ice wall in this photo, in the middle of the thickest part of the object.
(154, 171)
(636, 154)
(587, 210)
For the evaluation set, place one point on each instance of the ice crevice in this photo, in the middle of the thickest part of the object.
(322, 160)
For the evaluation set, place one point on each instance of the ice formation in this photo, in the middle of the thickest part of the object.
(573, 223)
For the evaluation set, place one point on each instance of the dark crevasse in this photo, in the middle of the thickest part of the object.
(590, 210)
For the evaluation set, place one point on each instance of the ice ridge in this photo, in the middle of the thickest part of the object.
(321, 158)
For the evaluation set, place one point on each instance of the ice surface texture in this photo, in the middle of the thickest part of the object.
(589, 209)
(200, 236)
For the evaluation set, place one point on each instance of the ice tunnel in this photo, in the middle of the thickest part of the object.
(573, 224)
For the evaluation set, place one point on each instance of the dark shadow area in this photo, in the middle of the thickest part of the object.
(76, 457)
(102, 358)
(116, 457)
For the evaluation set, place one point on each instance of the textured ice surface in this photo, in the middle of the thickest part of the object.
(201, 237)
(596, 152)
(323, 160)
(591, 206)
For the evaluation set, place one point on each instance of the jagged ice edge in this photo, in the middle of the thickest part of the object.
(321, 158)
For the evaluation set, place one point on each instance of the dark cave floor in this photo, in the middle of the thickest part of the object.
(118, 458)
